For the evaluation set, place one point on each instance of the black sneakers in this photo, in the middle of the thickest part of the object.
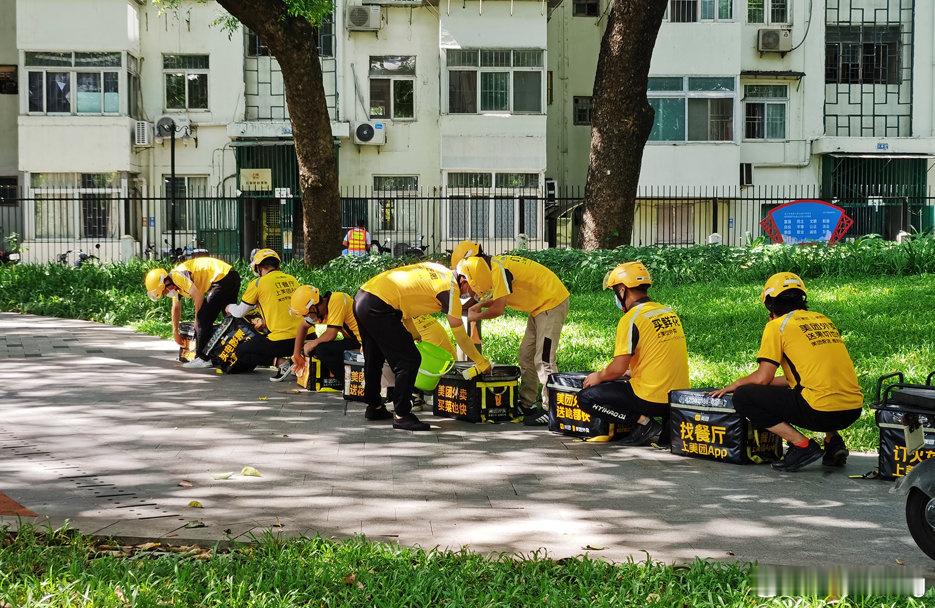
(643, 434)
(377, 413)
(534, 416)
(835, 452)
(795, 458)
(410, 422)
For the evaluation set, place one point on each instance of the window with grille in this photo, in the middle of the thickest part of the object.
(765, 111)
(495, 80)
(695, 108)
(581, 106)
(586, 8)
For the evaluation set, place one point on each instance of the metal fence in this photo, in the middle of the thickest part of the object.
(52, 224)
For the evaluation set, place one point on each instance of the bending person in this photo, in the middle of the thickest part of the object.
(818, 390)
(210, 283)
(650, 359)
(334, 309)
(380, 307)
(271, 293)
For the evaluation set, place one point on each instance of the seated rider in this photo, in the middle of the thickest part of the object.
(818, 390)
(650, 359)
(334, 309)
(271, 292)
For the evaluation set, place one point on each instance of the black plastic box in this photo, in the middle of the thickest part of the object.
(706, 427)
(490, 397)
(187, 352)
(566, 417)
(900, 407)
(223, 345)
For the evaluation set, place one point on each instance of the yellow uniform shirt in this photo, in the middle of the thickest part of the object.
(273, 293)
(341, 315)
(813, 358)
(528, 286)
(427, 328)
(418, 289)
(652, 335)
(200, 272)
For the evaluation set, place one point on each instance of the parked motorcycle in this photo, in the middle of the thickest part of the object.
(87, 258)
(919, 489)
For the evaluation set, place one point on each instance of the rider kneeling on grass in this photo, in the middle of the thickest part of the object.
(819, 389)
(650, 359)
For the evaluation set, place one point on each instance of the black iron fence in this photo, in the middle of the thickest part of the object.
(121, 222)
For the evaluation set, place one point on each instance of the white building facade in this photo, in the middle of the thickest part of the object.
(450, 120)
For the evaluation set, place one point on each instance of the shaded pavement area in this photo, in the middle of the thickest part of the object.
(99, 426)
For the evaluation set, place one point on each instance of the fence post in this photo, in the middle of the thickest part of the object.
(714, 213)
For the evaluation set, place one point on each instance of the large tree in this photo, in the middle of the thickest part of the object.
(289, 29)
(621, 121)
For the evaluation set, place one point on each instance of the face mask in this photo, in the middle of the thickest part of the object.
(171, 293)
(618, 301)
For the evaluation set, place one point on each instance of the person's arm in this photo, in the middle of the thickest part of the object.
(487, 310)
(197, 297)
(467, 347)
(176, 319)
(615, 370)
(298, 357)
(238, 310)
(764, 374)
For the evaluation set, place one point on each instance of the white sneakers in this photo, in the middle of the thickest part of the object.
(197, 363)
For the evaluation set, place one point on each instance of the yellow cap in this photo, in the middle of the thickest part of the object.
(303, 298)
(477, 273)
(155, 282)
(781, 282)
(463, 250)
(258, 255)
(628, 274)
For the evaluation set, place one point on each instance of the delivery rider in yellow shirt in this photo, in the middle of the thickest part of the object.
(380, 307)
(498, 282)
(818, 390)
(211, 284)
(336, 311)
(650, 359)
(271, 292)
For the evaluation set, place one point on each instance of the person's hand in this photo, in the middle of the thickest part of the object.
(473, 316)
(258, 324)
(227, 310)
(592, 379)
(309, 346)
(721, 392)
(298, 361)
(179, 339)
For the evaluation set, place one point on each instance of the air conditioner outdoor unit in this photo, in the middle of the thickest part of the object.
(361, 18)
(774, 40)
(370, 133)
(182, 124)
(143, 133)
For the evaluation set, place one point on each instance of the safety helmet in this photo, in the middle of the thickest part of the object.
(303, 298)
(463, 250)
(477, 273)
(780, 283)
(258, 255)
(628, 274)
(155, 282)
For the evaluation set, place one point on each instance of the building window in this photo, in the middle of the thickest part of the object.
(186, 78)
(134, 88)
(692, 108)
(868, 54)
(586, 8)
(396, 207)
(768, 11)
(493, 205)
(9, 84)
(508, 81)
(326, 36)
(675, 224)
(765, 111)
(691, 11)
(582, 110)
(189, 191)
(8, 191)
(255, 46)
(73, 83)
(76, 205)
(392, 87)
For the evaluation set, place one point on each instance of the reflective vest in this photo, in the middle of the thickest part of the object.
(356, 241)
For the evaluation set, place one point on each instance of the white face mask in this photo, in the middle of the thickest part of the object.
(171, 293)
(618, 301)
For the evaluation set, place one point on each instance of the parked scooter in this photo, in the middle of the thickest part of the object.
(413, 251)
(919, 489)
(87, 258)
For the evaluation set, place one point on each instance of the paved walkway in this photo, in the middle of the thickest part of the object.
(99, 426)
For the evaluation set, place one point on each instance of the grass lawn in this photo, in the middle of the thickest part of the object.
(65, 570)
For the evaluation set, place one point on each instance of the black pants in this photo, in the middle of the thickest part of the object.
(767, 406)
(331, 355)
(260, 352)
(218, 296)
(617, 401)
(385, 338)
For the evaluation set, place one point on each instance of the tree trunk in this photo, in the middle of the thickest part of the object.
(293, 41)
(621, 121)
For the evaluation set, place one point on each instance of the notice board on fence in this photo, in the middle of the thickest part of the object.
(806, 221)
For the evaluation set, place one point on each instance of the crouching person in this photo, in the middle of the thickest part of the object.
(334, 309)
(271, 292)
(818, 390)
(211, 284)
(650, 359)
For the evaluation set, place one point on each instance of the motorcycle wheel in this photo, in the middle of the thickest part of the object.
(920, 517)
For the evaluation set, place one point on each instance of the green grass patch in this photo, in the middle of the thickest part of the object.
(57, 568)
(887, 318)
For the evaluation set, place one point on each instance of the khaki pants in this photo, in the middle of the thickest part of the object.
(537, 353)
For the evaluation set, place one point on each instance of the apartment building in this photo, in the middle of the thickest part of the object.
(450, 119)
